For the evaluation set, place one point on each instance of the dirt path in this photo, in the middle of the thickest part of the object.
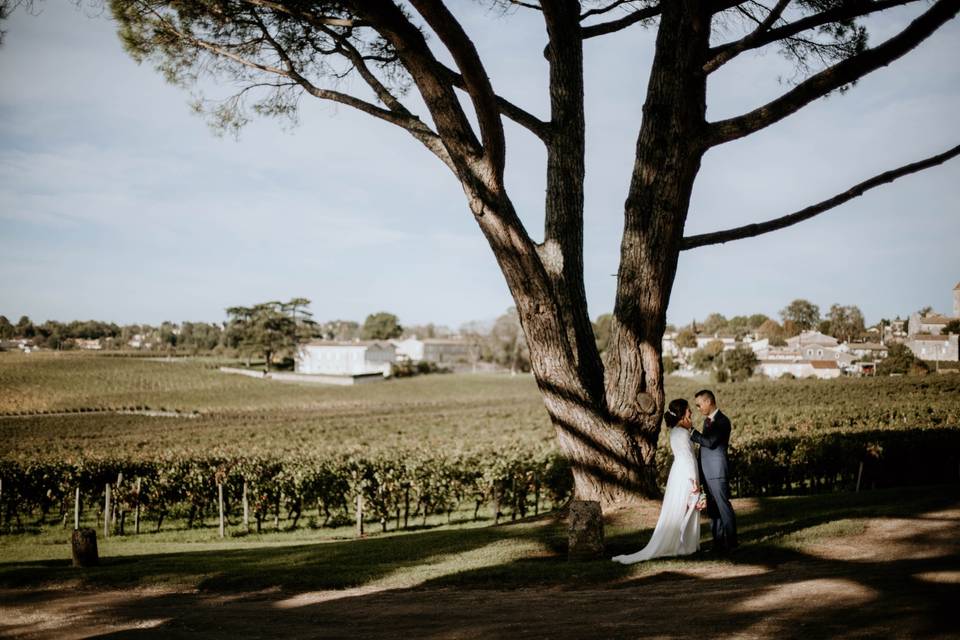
(900, 577)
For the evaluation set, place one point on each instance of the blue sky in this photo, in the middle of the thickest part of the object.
(117, 203)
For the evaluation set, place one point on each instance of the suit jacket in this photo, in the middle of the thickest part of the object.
(713, 447)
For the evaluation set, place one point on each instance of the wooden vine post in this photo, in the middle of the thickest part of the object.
(136, 514)
(220, 502)
(76, 509)
(246, 508)
(106, 512)
(359, 514)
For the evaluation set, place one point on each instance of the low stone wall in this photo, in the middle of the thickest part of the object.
(322, 378)
(317, 378)
(243, 372)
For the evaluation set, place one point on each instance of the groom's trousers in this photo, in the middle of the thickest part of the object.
(723, 519)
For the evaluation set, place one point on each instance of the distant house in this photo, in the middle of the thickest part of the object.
(437, 350)
(931, 324)
(729, 343)
(818, 352)
(868, 350)
(358, 358)
(759, 346)
(823, 369)
(811, 338)
(781, 354)
(668, 345)
(92, 345)
(934, 348)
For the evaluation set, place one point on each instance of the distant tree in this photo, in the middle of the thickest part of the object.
(772, 331)
(199, 336)
(601, 331)
(845, 322)
(703, 358)
(925, 311)
(381, 326)
(25, 328)
(265, 328)
(343, 330)
(715, 322)
(510, 344)
(302, 318)
(740, 326)
(168, 334)
(791, 328)
(669, 365)
(7, 330)
(686, 339)
(429, 330)
(825, 327)
(802, 313)
(952, 327)
(901, 360)
(737, 364)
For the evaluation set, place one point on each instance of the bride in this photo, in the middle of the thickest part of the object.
(678, 529)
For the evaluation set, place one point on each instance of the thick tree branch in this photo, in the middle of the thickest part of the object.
(524, 118)
(604, 9)
(478, 85)
(562, 248)
(834, 77)
(437, 91)
(722, 54)
(746, 42)
(641, 15)
(403, 119)
(751, 230)
(316, 19)
(619, 24)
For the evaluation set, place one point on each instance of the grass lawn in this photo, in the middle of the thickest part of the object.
(511, 555)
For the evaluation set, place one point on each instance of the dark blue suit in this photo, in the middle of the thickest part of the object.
(714, 470)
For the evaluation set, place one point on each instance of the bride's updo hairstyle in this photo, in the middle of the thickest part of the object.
(675, 412)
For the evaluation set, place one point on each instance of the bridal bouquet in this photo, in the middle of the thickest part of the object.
(699, 499)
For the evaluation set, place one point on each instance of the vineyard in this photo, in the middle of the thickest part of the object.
(169, 436)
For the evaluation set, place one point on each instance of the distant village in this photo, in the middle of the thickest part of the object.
(930, 337)
(335, 353)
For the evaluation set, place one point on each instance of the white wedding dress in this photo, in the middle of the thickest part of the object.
(678, 529)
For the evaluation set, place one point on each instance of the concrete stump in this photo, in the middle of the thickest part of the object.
(586, 530)
(84, 543)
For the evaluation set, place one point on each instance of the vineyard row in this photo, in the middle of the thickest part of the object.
(394, 489)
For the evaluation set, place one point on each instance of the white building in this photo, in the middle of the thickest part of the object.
(932, 324)
(871, 350)
(358, 358)
(438, 350)
(729, 343)
(823, 369)
(92, 345)
(933, 348)
(810, 338)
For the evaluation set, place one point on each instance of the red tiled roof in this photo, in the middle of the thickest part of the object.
(823, 364)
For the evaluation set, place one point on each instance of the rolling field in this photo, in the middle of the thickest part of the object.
(463, 413)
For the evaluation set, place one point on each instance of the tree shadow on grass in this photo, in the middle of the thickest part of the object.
(321, 565)
(769, 588)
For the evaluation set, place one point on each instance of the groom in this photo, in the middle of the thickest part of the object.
(713, 470)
